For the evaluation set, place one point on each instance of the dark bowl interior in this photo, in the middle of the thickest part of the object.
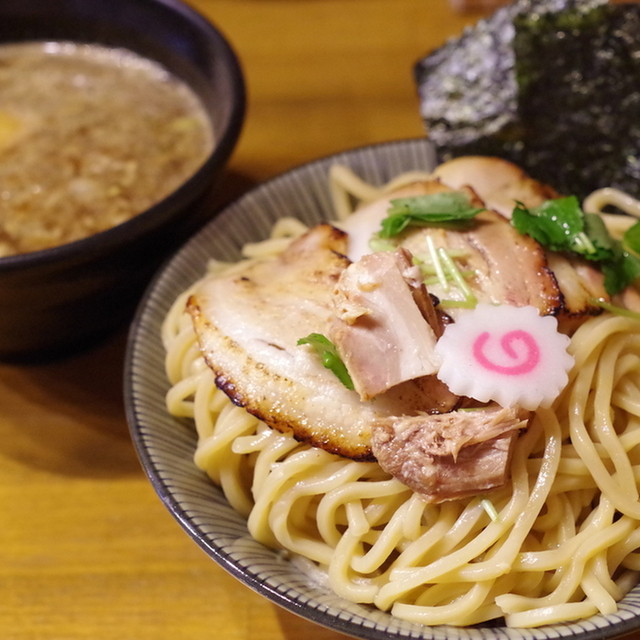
(59, 300)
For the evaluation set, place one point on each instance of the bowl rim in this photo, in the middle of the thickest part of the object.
(615, 625)
(139, 224)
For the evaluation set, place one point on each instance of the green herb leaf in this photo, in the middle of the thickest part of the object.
(631, 239)
(329, 356)
(561, 225)
(555, 223)
(434, 208)
(620, 270)
(603, 244)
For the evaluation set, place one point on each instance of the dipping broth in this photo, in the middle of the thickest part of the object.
(89, 137)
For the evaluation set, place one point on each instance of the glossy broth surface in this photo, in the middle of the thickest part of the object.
(89, 137)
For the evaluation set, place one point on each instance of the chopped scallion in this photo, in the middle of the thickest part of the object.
(376, 243)
(490, 509)
(437, 264)
(612, 308)
(453, 271)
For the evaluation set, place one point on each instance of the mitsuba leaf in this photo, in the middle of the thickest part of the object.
(433, 208)
(561, 225)
(554, 224)
(620, 270)
(631, 239)
(603, 244)
(329, 356)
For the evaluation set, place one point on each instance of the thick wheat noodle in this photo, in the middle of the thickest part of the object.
(565, 541)
(598, 200)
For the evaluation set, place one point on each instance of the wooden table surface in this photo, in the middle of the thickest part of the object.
(87, 550)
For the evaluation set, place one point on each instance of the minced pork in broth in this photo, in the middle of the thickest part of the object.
(89, 138)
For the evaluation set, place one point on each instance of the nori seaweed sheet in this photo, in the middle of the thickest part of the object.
(551, 85)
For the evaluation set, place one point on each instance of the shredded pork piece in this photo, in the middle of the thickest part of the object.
(451, 455)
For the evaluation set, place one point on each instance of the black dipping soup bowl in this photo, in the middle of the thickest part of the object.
(57, 301)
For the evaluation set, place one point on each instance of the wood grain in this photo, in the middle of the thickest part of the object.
(87, 550)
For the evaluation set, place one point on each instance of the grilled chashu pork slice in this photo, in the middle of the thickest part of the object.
(507, 267)
(248, 324)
